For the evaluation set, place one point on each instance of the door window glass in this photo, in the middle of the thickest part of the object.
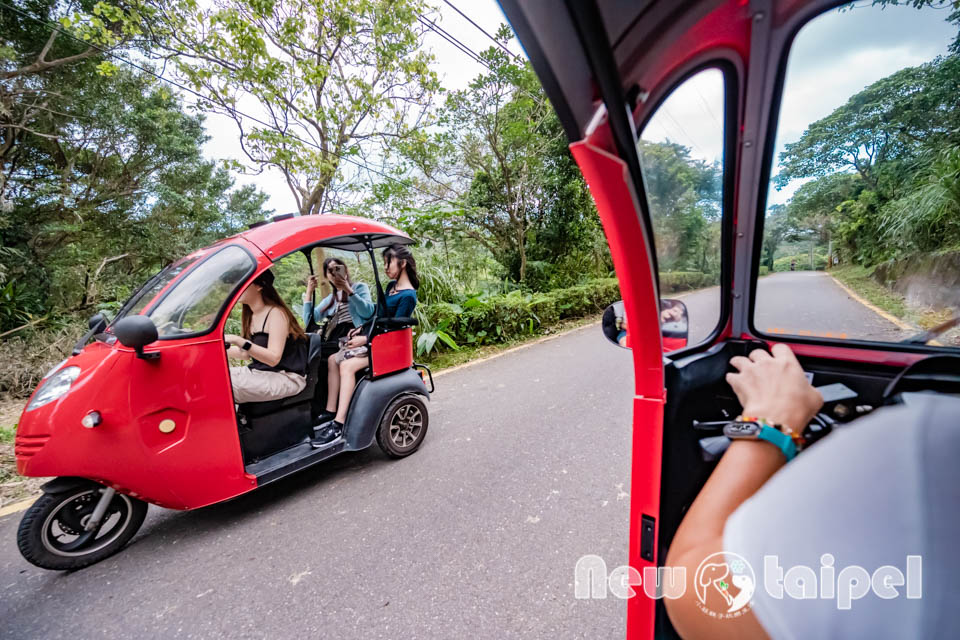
(681, 156)
(862, 224)
(194, 303)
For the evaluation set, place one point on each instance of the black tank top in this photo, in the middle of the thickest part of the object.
(294, 358)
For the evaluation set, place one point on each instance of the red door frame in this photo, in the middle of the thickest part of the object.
(610, 183)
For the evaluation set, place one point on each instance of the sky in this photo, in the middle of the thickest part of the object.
(454, 68)
(833, 57)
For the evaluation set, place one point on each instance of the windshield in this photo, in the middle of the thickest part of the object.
(194, 303)
(155, 285)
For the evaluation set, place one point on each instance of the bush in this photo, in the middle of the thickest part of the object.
(764, 270)
(27, 356)
(674, 281)
(489, 319)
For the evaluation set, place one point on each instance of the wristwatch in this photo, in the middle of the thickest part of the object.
(757, 429)
(246, 345)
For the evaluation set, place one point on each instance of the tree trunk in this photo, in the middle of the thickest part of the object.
(523, 257)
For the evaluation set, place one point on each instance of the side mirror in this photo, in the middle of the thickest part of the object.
(137, 332)
(674, 325)
(97, 323)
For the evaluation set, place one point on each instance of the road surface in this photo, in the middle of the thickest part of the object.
(524, 470)
(807, 303)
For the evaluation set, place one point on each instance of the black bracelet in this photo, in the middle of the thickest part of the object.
(246, 346)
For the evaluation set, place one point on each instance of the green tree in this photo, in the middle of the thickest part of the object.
(882, 130)
(502, 158)
(332, 79)
(684, 198)
(117, 188)
(775, 231)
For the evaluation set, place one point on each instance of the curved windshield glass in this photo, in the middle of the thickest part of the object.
(194, 303)
(155, 285)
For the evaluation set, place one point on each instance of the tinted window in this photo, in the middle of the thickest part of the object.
(681, 155)
(862, 227)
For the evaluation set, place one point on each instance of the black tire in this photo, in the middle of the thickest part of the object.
(403, 427)
(41, 545)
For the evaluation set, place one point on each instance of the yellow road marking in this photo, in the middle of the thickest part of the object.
(16, 507)
(906, 326)
(877, 310)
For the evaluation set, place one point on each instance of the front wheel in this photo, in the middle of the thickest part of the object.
(403, 426)
(52, 533)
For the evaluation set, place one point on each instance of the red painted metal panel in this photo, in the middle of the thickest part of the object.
(391, 352)
(277, 239)
(609, 183)
(196, 464)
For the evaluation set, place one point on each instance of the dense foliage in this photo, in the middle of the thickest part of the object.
(883, 173)
(104, 181)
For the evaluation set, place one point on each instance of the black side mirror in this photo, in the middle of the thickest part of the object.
(97, 323)
(674, 325)
(137, 332)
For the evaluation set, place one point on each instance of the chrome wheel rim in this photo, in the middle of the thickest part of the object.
(63, 533)
(406, 426)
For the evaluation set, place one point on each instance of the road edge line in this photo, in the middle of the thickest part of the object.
(17, 507)
(902, 324)
(526, 345)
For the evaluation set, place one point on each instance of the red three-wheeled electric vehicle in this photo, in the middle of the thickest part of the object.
(143, 411)
(621, 77)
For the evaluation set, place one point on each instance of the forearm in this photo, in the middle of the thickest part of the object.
(742, 470)
(361, 305)
(263, 354)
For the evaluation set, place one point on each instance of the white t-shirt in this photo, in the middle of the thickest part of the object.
(875, 492)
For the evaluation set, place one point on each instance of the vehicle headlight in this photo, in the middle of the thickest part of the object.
(54, 368)
(54, 387)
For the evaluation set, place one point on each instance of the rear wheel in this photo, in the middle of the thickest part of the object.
(403, 426)
(52, 533)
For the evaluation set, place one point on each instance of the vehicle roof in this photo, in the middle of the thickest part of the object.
(647, 40)
(280, 237)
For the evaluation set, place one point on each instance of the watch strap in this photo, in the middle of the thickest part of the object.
(246, 345)
(780, 440)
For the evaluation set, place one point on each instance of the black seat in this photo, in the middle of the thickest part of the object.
(268, 427)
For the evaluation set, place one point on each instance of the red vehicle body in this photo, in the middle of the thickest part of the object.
(168, 428)
(607, 67)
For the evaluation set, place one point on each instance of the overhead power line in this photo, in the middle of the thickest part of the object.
(481, 29)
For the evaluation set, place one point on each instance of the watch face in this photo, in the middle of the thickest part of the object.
(741, 430)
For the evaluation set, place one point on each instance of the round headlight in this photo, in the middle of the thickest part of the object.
(54, 387)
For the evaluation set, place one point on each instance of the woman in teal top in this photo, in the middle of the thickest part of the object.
(349, 305)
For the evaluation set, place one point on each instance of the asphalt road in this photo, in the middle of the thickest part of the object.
(525, 469)
(806, 303)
